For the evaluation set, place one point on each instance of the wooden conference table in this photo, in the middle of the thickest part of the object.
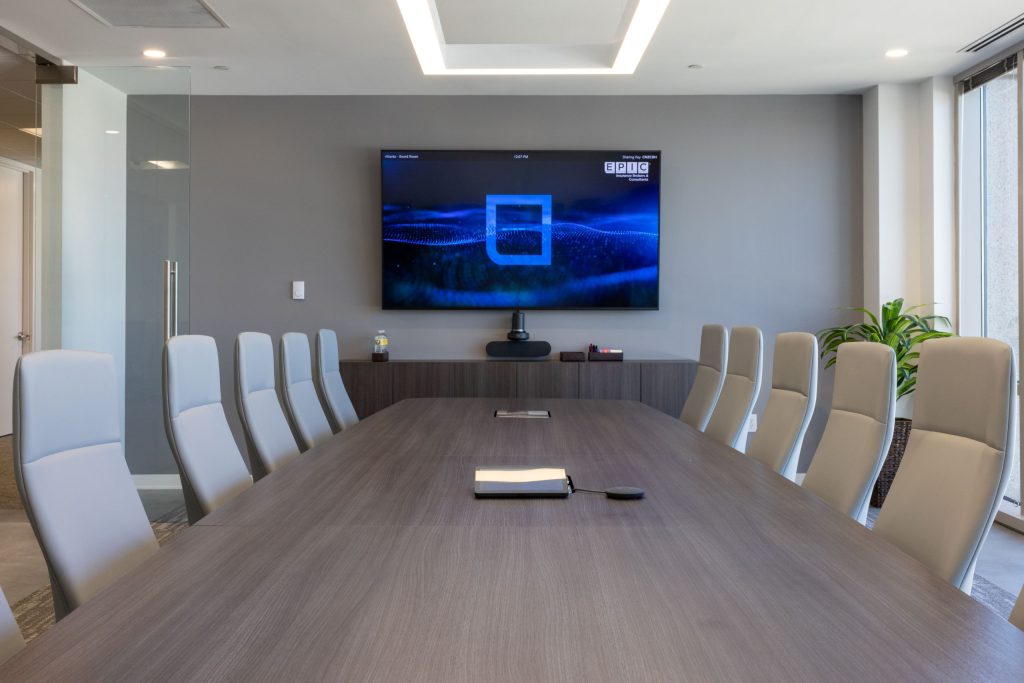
(368, 558)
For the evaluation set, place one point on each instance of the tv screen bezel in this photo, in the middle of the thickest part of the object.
(405, 150)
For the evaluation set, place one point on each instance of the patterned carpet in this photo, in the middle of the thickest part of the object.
(34, 613)
(9, 499)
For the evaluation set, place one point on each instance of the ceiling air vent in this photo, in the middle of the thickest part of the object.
(992, 36)
(152, 13)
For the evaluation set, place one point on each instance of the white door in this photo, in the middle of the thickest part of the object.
(12, 227)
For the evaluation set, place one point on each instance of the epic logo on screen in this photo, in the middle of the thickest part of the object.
(627, 168)
(522, 222)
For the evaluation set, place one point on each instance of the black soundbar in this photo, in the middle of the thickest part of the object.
(518, 349)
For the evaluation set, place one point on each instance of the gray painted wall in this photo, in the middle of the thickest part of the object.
(761, 216)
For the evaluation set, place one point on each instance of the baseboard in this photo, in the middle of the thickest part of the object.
(157, 481)
(1009, 515)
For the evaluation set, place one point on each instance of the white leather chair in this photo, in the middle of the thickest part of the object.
(728, 423)
(780, 435)
(707, 385)
(10, 636)
(337, 405)
(211, 467)
(70, 468)
(859, 428)
(956, 465)
(270, 441)
(309, 422)
(1017, 614)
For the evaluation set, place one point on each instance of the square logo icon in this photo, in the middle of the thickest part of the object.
(525, 206)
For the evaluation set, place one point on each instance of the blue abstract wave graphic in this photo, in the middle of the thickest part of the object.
(565, 233)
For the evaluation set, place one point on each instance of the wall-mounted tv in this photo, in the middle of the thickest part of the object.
(520, 229)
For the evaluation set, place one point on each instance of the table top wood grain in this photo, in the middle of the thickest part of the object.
(368, 558)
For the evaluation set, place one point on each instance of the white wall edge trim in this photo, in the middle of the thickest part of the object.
(157, 481)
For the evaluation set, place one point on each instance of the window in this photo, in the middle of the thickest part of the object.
(989, 215)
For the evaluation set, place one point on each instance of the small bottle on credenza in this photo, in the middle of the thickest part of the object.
(380, 347)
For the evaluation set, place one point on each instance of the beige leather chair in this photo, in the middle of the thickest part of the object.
(329, 385)
(779, 437)
(10, 637)
(301, 403)
(948, 487)
(269, 439)
(71, 473)
(1017, 615)
(728, 423)
(700, 403)
(859, 429)
(209, 462)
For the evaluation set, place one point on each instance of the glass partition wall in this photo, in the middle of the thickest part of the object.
(990, 211)
(118, 189)
(20, 142)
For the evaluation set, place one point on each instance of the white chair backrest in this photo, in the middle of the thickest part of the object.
(72, 475)
(338, 406)
(268, 436)
(780, 435)
(10, 636)
(859, 428)
(957, 462)
(211, 466)
(728, 422)
(309, 422)
(707, 385)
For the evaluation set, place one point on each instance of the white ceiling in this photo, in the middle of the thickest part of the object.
(336, 47)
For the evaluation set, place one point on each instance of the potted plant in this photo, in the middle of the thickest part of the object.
(902, 330)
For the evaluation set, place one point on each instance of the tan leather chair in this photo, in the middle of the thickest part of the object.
(728, 423)
(778, 440)
(10, 636)
(859, 429)
(948, 487)
(700, 403)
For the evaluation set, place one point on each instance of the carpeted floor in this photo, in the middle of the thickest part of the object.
(34, 613)
(9, 499)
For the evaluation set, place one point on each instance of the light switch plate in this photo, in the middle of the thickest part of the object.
(752, 423)
(298, 290)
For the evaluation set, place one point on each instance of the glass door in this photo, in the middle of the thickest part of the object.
(990, 213)
(124, 232)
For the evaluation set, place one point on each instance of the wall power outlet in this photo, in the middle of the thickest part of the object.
(752, 423)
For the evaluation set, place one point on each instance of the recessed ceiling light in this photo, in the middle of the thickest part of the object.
(38, 132)
(154, 53)
(112, 132)
(897, 52)
(424, 27)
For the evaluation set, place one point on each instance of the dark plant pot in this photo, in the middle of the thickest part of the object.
(900, 435)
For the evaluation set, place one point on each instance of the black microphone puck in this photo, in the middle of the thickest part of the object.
(624, 492)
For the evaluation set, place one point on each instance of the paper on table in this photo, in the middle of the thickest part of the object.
(534, 414)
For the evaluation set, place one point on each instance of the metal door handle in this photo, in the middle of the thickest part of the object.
(23, 336)
(170, 299)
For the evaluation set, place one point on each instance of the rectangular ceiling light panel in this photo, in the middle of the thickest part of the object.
(436, 57)
(152, 13)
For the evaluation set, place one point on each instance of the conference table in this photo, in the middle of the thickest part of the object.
(368, 558)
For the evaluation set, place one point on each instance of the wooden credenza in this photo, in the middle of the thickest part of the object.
(661, 384)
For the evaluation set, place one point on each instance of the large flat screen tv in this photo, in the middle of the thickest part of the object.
(518, 229)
